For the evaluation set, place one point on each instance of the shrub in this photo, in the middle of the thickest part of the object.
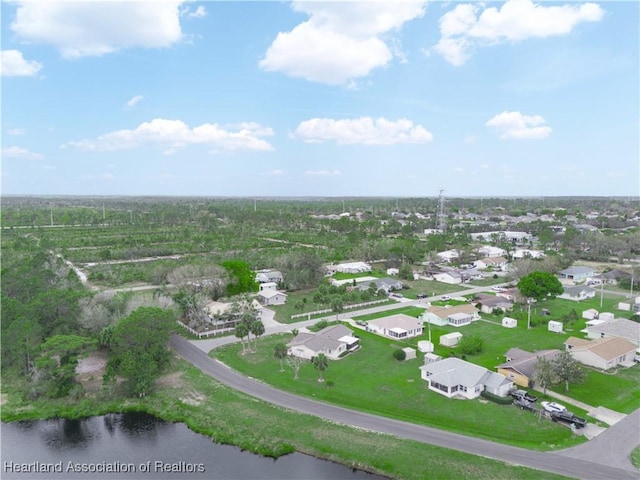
(496, 398)
(321, 324)
(399, 354)
(471, 345)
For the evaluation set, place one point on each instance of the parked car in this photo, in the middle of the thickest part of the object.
(397, 295)
(553, 407)
(568, 417)
(361, 323)
(522, 395)
(444, 298)
(422, 295)
(497, 289)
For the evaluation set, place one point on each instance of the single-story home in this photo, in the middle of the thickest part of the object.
(352, 267)
(577, 293)
(268, 285)
(612, 277)
(269, 276)
(450, 339)
(453, 377)
(396, 326)
(603, 353)
(512, 294)
(450, 276)
(577, 273)
(527, 253)
(386, 284)
(448, 255)
(520, 365)
(443, 315)
(513, 237)
(272, 297)
(488, 303)
(618, 327)
(491, 262)
(332, 341)
(490, 251)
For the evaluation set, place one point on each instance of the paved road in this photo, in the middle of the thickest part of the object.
(575, 463)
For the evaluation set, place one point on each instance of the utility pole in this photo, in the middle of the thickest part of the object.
(528, 313)
(441, 221)
(51, 216)
(601, 291)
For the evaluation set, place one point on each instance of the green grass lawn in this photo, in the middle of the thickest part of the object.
(348, 276)
(488, 281)
(430, 287)
(371, 380)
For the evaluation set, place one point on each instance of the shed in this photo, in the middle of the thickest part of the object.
(450, 339)
(425, 346)
(410, 353)
(590, 314)
(555, 326)
(626, 307)
(430, 358)
(606, 316)
(268, 285)
(509, 322)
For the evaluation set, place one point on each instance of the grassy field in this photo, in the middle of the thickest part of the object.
(430, 287)
(372, 381)
(227, 416)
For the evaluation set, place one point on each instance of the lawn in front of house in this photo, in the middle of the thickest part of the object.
(371, 380)
(430, 287)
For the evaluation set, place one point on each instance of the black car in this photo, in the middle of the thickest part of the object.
(422, 295)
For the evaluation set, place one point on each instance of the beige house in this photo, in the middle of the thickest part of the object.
(456, 316)
(520, 365)
(604, 353)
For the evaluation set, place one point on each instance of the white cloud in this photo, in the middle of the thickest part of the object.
(13, 64)
(323, 173)
(515, 125)
(340, 41)
(363, 130)
(469, 25)
(16, 131)
(134, 101)
(172, 135)
(19, 152)
(199, 12)
(80, 29)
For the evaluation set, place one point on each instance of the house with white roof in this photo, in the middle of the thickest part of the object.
(453, 377)
(352, 267)
(448, 255)
(577, 293)
(491, 262)
(577, 273)
(272, 297)
(491, 252)
(456, 315)
(398, 326)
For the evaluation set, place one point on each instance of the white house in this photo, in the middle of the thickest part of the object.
(577, 273)
(449, 316)
(577, 293)
(448, 255)
(398, 326)
(489, 251)
(333, 342)
(450, 276)
(491, 262)
(272, 297)
(352, 267)
(268, 285)
(450, 339)
(619, 327)
(453, 377)
(269, 276)
(527, 253)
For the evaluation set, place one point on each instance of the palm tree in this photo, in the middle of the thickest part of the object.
(257, 328)
(241, 331)
(280, 352)
(321, 363)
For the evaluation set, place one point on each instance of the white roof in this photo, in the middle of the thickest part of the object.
(269, 293)
(452, 335)
(348, 339)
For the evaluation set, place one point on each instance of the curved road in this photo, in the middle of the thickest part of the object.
(576, 462)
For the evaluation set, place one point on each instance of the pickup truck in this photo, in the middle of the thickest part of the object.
(522, 395)
(568, 417)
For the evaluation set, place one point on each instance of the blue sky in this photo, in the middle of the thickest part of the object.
(512, 98)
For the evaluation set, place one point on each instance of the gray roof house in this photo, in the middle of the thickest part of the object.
(333, 341)
(577, 293)
(269, 276)
(577, 274)
(618, 327)
(453, 377)
(387, 284)
(521, 365)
